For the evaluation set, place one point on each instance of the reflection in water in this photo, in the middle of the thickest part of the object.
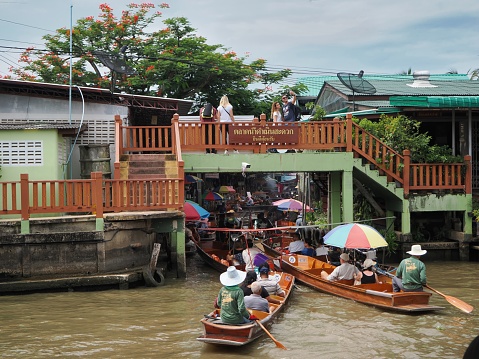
(164, 322)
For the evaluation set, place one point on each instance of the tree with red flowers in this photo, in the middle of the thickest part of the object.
(171, 62)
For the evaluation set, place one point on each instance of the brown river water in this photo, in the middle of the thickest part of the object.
(164, 322)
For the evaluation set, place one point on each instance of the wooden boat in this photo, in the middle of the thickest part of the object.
(215, 332)
(307, 270)
(214, 253)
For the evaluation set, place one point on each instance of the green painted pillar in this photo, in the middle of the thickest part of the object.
(335, 198)
(178, 241)
(25, 226)
(406, 221)
(348, 192)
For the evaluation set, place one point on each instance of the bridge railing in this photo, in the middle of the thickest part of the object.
(398, 167)
(96, 196)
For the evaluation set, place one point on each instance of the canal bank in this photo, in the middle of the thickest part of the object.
(72, 251)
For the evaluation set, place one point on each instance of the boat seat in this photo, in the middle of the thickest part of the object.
(345, 281)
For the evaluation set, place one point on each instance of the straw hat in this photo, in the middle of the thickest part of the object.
(416, 250)
(232, 276)
(368, 263)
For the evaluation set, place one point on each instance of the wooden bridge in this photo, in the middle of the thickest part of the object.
(98, 195)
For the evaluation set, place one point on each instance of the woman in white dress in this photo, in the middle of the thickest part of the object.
(225, 113)
(276, 115)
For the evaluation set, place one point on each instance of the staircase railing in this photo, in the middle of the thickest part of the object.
(398, 168)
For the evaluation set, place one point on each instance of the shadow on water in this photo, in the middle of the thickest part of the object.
(164, 322)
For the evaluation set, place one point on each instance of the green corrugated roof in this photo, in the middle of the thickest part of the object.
(435, 101)
(315, 83)
(376, 111)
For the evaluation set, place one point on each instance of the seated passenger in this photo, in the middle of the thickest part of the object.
(367, 276)
(248, 255)
(297, 245)
(271, 286)
(344, 271)
(252, 277)
(321, 250)
(254, 300)
(308, 249)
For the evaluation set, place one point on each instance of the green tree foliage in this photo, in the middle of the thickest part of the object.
(401, 133)
(172, 62)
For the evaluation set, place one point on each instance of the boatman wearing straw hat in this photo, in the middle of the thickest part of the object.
(411, 272)
(231, 297)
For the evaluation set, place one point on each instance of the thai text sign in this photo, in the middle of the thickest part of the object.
(269, 133)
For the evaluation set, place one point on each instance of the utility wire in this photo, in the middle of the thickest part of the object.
(33, 27)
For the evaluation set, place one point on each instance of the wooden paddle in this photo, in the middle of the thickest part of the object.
(454, 301)
(278, 344)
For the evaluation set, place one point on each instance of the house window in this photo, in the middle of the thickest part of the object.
(21, 153)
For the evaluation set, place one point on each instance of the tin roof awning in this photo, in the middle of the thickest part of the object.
(435, 101)
(374, 111)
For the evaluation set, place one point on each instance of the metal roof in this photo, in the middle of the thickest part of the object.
(435, 101)
(315, 83)
(92, 94)
(62, 128)
(401, 88)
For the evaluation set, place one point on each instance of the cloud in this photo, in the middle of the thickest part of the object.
(374, 35)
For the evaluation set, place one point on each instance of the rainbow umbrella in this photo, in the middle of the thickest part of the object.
(354, 235)
(291, 204)
(213, 196)
(194, 212)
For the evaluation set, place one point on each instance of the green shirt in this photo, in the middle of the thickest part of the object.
(231, 302)
(413, 273)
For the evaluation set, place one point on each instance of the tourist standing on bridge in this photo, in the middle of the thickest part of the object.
(411, 272)
(208, 113)
(288, 107)
(225, 113)
(276, 115)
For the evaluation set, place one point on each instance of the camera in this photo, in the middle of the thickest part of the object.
(245, 165)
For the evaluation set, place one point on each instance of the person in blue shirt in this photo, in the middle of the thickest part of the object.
(308, 248)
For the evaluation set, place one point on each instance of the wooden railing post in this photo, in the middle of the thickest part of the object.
(97, 193)
(262, 122)
(118, 138)
(181, 183)
(349, 132)
(468, 179)
(25, 196)
(406, 171)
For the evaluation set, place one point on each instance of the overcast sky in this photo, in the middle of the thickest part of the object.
(312, 37)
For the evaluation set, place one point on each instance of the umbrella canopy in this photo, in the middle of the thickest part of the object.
(213, 196)
(354, 235)
(291, 204)
(225, 189)
(192, 179)
(194, 212)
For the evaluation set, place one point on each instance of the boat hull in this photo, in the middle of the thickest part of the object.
(307, 270)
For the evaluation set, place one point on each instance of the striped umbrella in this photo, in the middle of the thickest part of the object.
(194, 212)
(192, 179)
(213, 196)
(354, 235)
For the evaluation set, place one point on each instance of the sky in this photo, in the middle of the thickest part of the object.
(311, 37)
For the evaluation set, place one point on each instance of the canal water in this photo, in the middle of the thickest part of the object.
(164, 322)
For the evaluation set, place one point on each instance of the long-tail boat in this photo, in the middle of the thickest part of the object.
(307, 270)
(216, 332)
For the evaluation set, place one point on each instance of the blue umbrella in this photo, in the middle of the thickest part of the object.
(194, 212)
